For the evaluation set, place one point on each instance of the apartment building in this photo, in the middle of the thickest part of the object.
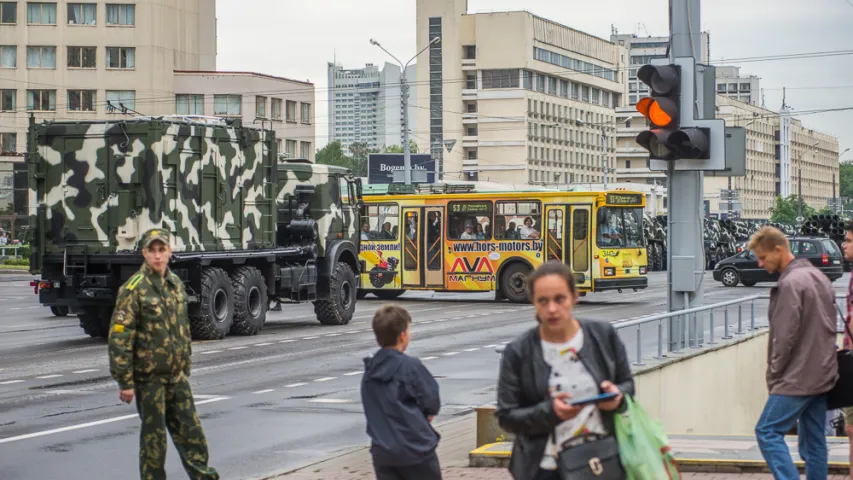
(509, 96)
(770, 137)
(285, 105)
(365, 105)
(743, 88)
(70, 60)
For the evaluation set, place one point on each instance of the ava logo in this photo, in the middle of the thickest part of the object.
(480, 265)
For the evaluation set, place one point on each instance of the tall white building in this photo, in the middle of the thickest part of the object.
(743, 88)
(364, 105)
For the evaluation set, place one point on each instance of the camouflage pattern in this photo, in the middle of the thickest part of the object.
(170, 407)
(211, 182)
(149, 339)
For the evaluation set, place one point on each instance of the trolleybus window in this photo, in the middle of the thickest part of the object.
(620, 227)
(380, 222)
(518, 220)
(469, 221)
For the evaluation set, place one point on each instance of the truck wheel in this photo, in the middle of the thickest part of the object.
(387, 294)
(338, 309)
(216, 310)
(514, 283)
(250, 301)
(95, 321)
(59, 311)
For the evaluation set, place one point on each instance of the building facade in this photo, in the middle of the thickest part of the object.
(365, 107)
(743, 88)
(510, 96)
(70, 61)
(286, 106)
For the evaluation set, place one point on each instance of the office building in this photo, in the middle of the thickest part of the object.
(743, 88)
(364, 105)
(69, 60)
(510, 96)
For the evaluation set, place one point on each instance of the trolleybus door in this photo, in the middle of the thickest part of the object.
(423, 261)
(433, 241)
(412, 247)
(556, 233)
(581, 245)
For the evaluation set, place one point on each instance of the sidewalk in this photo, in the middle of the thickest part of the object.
(457, 440)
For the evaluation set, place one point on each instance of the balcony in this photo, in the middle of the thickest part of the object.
(469, 93)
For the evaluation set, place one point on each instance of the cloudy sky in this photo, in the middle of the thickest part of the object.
(295, 39)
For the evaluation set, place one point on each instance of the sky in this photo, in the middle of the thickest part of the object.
(296, 39)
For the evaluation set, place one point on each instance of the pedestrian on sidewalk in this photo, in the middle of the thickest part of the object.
(400, 399)
(801, 364)
(548, 366)
(847, 249)
(149, 350)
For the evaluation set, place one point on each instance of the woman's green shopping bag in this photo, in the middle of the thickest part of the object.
(643, 446)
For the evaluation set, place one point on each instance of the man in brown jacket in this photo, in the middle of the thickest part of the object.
(801, 365)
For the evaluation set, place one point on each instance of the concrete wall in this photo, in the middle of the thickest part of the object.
(718, 391)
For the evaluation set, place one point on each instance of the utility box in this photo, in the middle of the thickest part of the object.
(683, 276)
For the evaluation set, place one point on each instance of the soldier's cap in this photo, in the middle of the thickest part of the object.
(154, 235)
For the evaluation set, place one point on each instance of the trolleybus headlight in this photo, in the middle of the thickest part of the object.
(609, 271)
(644, 270)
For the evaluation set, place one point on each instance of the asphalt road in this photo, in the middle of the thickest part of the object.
(283, 398)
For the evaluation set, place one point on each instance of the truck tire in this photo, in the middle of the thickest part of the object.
(216, 307)
(95, 321)
(514, 283)
(338, 309)
(59, 310)
(250, 301)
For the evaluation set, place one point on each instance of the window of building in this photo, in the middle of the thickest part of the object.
(119, 98)
(469, 52)
(279, 145)
(471, 131)
(8, 56)
(507, 78)
(41, 100)
(121, 14)
(81, 100)
(41, 57)
(744, 87)
(9, 13)
(471, 107)
(81, 57)
(470, 220)
(290, 148)
(305, 149)
(121, 57)
(276, 109)
(291, 111)
(82, 13)
(189, 104)
(41, 13)
(260, 107)
(227, 105)
(8, 142)
(8, 100)
(306, 113)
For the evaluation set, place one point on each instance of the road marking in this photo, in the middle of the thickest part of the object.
(9, 382)
(470, 316)
(237, 348)
(263, 344)
(352, 331)
(45, 377)
(286, 341)
(295, 385)
(89, 424)
(211, 351)
(470, 350)
(308, 338)
(264, 391)
(450, 354)
(34, 307)
(425, 322)
(334, 335)
(15, 308)
(491, 346)
(428, 358)
(330, 400)
(325, 379)
(353, 373)
(86, 371)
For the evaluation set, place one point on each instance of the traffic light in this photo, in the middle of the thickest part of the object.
(673, 134)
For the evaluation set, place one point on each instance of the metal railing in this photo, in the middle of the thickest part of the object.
(13, 248)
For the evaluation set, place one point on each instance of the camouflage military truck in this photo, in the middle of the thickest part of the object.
(248, 227)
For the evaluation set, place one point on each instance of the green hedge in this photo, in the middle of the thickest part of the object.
(17, 261)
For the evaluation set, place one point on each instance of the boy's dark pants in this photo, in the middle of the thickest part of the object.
(429, 469)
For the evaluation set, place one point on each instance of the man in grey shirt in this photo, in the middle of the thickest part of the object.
(801, 364)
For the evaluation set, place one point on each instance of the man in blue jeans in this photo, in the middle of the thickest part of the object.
(801, 365)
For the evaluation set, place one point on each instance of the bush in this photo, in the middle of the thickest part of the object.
(17, 261)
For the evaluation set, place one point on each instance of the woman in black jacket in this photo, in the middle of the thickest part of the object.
(544, 368)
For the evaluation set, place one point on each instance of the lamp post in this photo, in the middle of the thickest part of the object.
(404, 106)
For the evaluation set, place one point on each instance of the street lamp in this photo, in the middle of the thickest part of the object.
(404, 106)
(604, 168)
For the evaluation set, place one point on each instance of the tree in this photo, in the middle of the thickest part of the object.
(785, 210)
(360, 151)
(845, 180)
(333, 154)
(413, 148)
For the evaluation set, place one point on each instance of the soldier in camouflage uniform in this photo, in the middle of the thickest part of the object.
(149, 349)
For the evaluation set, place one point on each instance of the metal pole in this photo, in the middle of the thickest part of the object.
(404, 100)
(686, 188)
(800, 193)
(712, 342)
(604, 155)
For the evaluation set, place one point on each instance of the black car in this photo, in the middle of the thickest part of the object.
(743, 267)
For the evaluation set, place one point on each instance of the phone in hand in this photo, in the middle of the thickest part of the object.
(598, 398)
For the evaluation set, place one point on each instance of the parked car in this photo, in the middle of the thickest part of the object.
(743, 267)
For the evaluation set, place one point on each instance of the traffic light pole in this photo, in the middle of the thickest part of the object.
(685, 189)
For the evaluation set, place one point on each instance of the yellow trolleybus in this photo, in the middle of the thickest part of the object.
(490, 241)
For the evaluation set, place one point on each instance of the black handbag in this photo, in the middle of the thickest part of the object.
(841, 394)
(597, 460)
